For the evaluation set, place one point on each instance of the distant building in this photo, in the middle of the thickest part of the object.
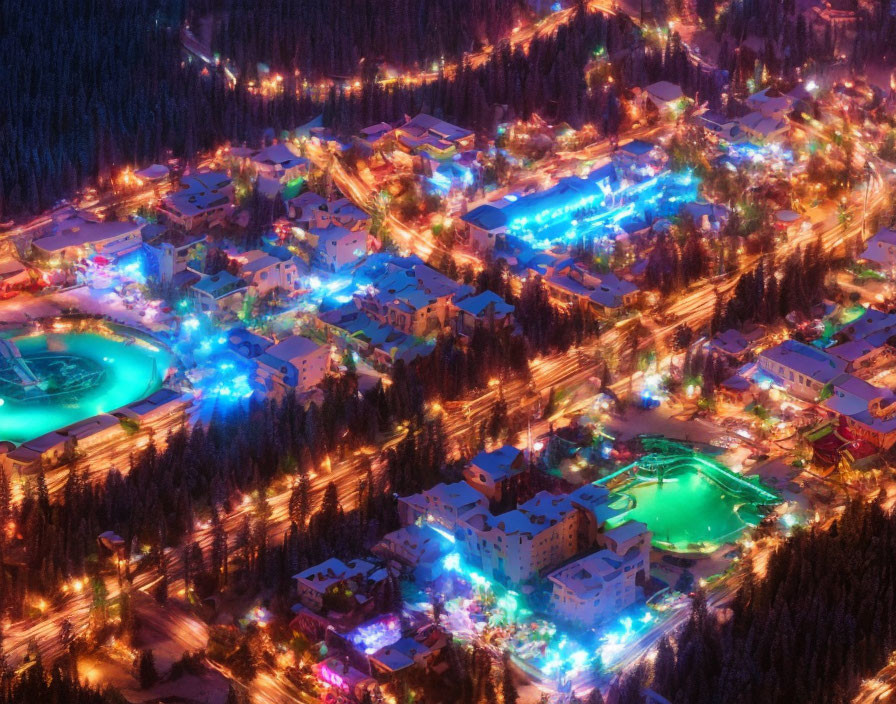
(161, 404)
(247, 344)
(316, 582)
(487, 309)
(600, 585)
(339, 247)
(343, 213)
(732, 343)
(378, 342)
(442, 505)
(429, 135)
(280, 162)
(265, 273)
(295, 363)
(173, 251)
(664, 95)
(763, 129)
(76, 239)
(412, 546)
(205, 199)
(570, 284)
(412, 298)
(800, 369)
(53, 447)
(485, 224)
(707, 216)
(770, 102)
(865, 353)
(218, 293)
(407, 652)
(490, 473)
(721, 127)
(516, 546)
(638, 155)
(351, 683)
(305, 207)
(872, 324)
(869, 411)
(375, 134)
(154, 173)
(880, 251)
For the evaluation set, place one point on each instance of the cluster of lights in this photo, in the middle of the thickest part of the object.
(379, 634)
(662, 194)
(557, 654)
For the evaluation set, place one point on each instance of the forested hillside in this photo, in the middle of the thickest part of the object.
(325, 38)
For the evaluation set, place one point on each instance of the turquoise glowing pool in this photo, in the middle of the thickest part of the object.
(691, 504)
(51, 380)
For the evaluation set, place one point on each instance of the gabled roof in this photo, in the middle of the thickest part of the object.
(762, 125)
(730, 341)
(498, 464)
(259, 264)
(456, 495)
(294, 347)
(807, 360)
(329, 572)
(664, 91)
(878, 247)
(400, 655)
(378, 129)
(871, 321)
(204, 181)
(308, 199)
(475, 305)
(152, 173)
(486, 217)
(852, 395)
(419, 543)
(427, 124)
(283, 155)
(189, 203)
(82, 232)
(607, 290)
(853, 349)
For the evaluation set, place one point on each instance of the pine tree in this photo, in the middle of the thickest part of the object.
(146, 669)
(508, 687)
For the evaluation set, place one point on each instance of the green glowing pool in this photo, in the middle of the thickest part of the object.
(49, 381)
(691, 504)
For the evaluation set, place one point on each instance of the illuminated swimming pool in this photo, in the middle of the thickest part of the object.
(691, 504)
(51, 380)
